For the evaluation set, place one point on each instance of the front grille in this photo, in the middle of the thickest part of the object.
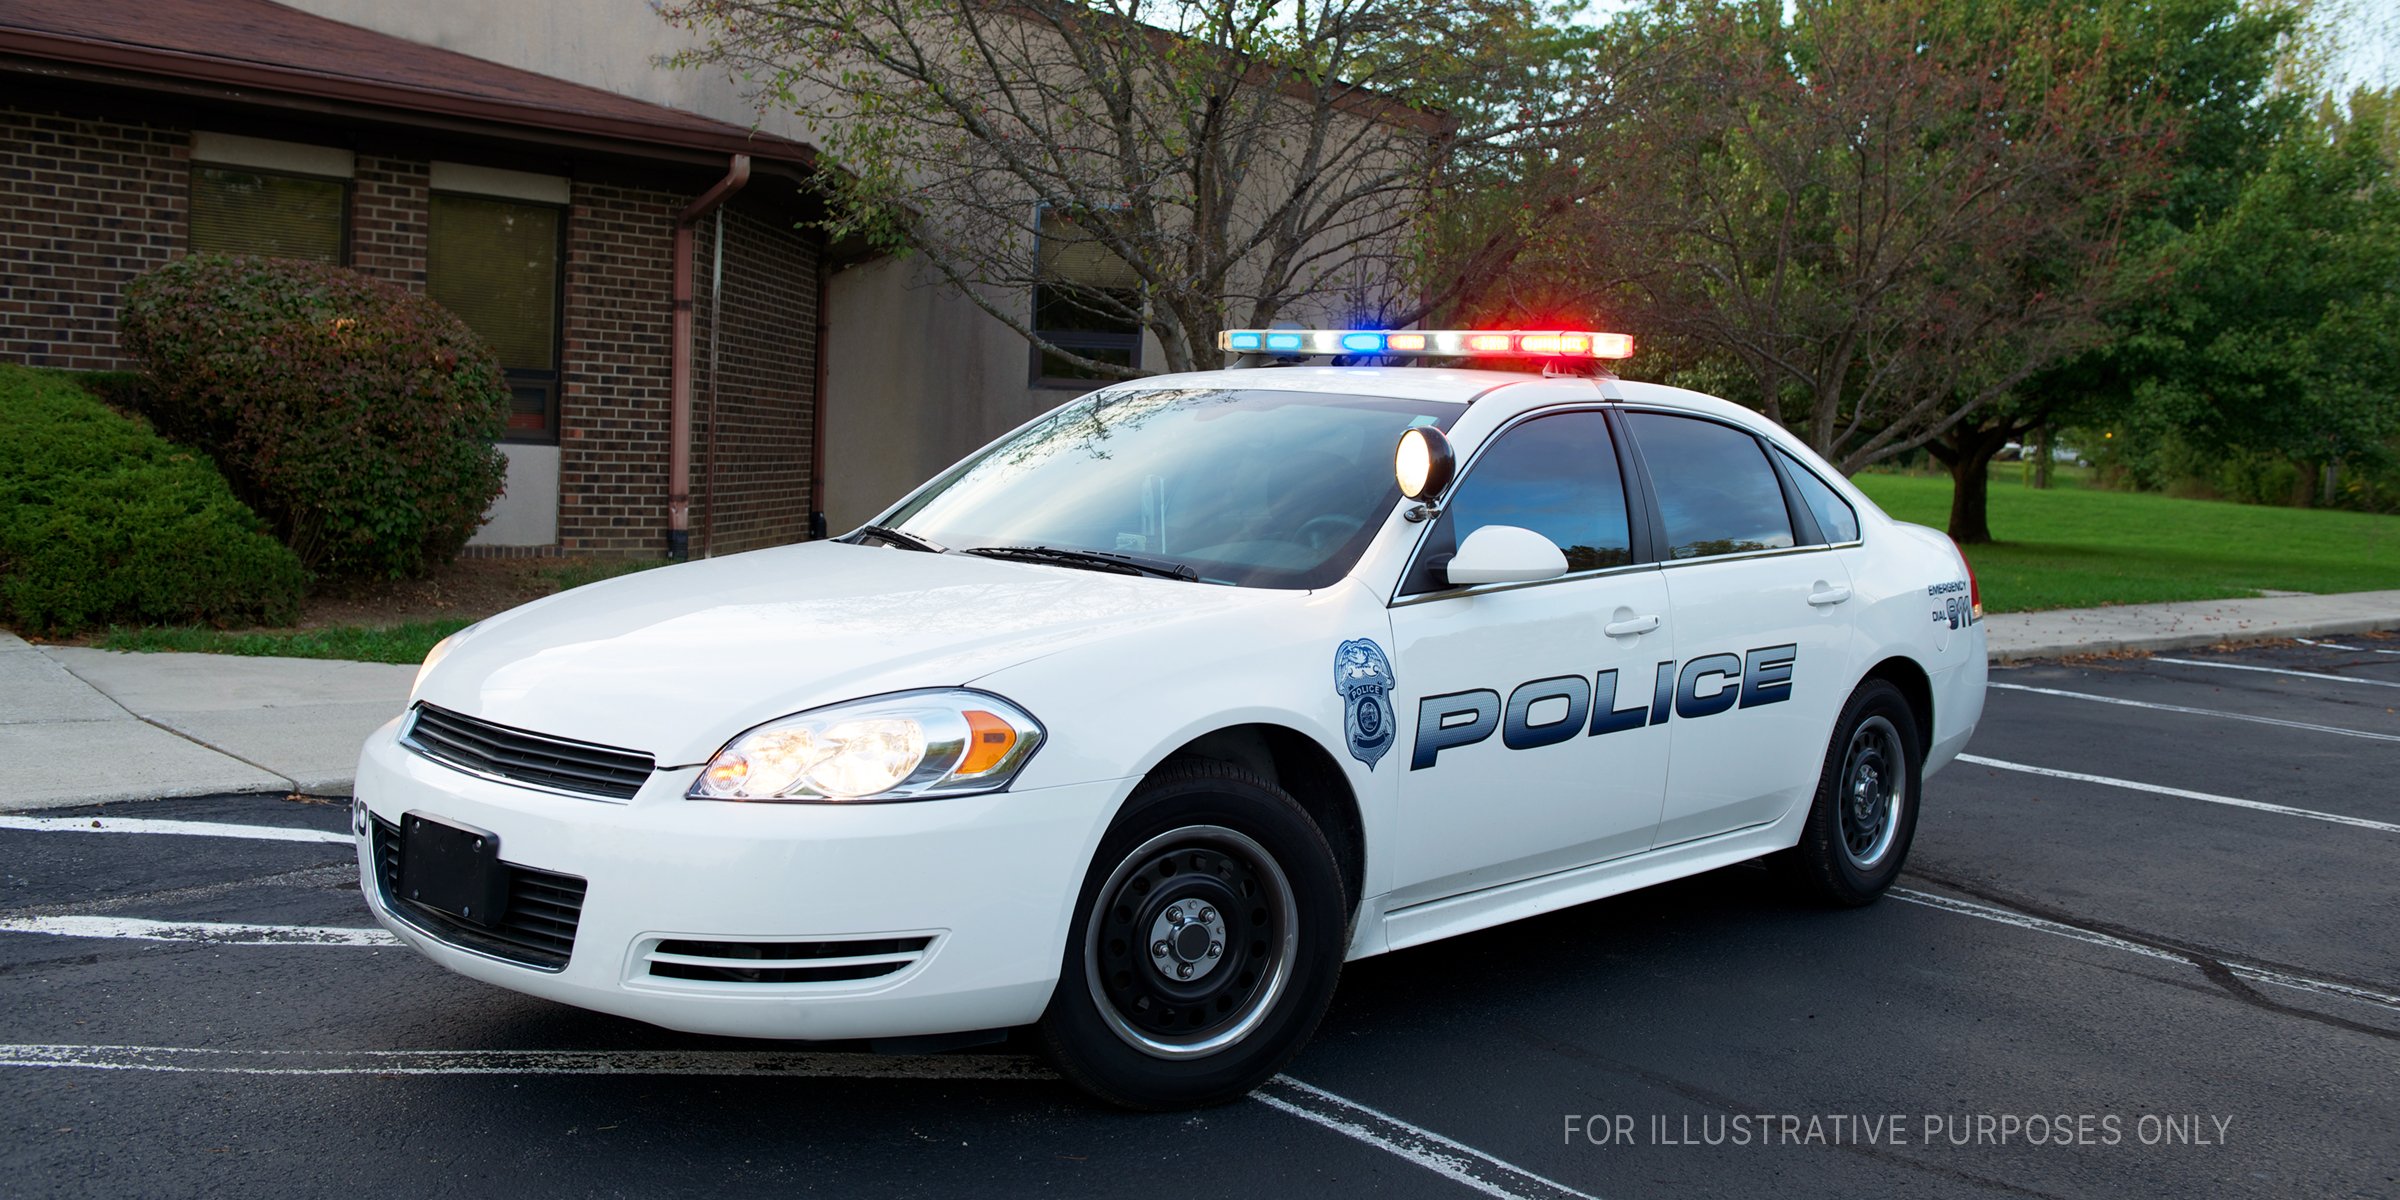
(538, 930)
(530, 758)
(784, 962)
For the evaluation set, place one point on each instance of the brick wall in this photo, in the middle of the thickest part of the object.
(766, 380)
(389, 206)
(88, 205)
(612, 485)
(85, 206)
(614, 405)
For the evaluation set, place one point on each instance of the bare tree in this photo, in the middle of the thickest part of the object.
(1883, 215)
(1228, 162)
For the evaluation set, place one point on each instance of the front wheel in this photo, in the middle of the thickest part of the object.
(1864, 813)
(1206, 943)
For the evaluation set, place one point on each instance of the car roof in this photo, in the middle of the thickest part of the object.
(1401, 383)
(1443, 384)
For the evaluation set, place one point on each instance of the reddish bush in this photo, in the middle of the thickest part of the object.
(356, 417)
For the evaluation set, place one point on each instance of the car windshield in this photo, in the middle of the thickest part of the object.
(1248, 487)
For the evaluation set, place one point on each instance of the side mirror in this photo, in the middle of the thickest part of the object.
(1423, 463)
(1505, 554)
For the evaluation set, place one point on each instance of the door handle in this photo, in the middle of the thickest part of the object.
(1829, 594)
(1631, 626)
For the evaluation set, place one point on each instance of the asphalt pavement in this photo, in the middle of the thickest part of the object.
(2148, 944)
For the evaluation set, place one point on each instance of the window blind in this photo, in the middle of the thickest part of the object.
(277, 216)
(495, 264)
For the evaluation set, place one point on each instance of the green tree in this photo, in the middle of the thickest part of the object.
(2284, 335)
(1242, 160)
(2214, 64)
(1869, 218)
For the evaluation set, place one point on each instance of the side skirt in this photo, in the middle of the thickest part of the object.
(1450, 916)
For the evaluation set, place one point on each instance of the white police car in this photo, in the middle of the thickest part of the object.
(1138, 723)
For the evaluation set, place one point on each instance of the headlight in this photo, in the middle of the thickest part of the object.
(901, 747)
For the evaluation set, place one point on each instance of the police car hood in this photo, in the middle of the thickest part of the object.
(673, 662)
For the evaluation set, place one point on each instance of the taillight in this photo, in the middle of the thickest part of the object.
(1974, 589)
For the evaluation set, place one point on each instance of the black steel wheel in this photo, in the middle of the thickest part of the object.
(1207, 939)
(1864, 813)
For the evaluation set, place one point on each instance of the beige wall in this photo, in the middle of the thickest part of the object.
(916, 374)
(917, 378)
(526, 514)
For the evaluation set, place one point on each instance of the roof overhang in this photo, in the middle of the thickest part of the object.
(251, 84)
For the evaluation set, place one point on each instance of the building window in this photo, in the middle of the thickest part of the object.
(496, 263)
(237, 210)
(1087, 300)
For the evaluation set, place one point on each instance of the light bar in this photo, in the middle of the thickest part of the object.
(1429, 343)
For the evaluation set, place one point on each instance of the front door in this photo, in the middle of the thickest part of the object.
(1523, 717)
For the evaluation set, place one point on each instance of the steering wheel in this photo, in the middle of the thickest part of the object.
(1325, 532)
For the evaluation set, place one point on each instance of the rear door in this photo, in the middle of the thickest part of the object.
(1522, 716)
(1760, 607)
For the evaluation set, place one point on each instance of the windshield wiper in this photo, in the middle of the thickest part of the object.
(900, 538)
(1095, 560)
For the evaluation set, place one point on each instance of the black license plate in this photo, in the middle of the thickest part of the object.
(453, 870)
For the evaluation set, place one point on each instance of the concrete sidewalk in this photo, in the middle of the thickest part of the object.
(2181, 626)
(87, 726)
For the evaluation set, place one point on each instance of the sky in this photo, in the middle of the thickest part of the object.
(2371, 33)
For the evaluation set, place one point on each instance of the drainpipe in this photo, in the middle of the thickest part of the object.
(679, 420)
(716, 325)
(816, 421)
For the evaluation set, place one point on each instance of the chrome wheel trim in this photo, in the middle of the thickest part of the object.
(1283, 951)
(1872, 791)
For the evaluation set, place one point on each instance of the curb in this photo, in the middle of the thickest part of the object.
(2189, 640)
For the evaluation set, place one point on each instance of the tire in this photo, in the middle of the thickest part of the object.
(1864, 814)
(1159, 1005)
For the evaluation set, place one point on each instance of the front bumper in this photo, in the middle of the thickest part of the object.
(981, 887)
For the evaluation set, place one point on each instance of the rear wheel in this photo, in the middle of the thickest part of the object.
(1206, 943)
(1864, 814)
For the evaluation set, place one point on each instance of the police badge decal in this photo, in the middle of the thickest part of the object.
(1364, 678)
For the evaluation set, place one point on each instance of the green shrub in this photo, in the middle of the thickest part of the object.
(124, 391)
(356, 417)
(102, 520)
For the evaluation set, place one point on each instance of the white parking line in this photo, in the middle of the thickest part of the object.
(2351, 649)
(1455, 1161)
(2199, 712)
(2156, 789)
(1443, 1156)
(800, 1065)
(197, 931)
(2226, 666)
(261, 833)
(2094, 937)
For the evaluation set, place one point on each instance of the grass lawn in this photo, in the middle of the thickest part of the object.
(386, 622)
(403, 643)
(2076, 547)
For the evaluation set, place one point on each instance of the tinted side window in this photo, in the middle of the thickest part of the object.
(1716, 490)
(1835, 518)
(1556, 476)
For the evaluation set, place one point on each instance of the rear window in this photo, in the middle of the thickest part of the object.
(1716, 490)
(1835, 518)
